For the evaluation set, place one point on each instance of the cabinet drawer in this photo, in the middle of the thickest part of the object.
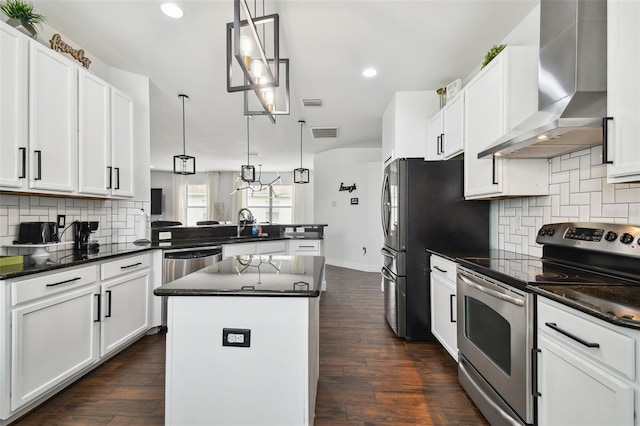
(124, 266)
(616, 350)
(302, 247)
(49, 284)
(444, 267)
(271, 247)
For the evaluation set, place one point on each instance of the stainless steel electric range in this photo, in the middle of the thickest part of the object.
(594, 267)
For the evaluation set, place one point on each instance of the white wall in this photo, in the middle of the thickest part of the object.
(351, 227)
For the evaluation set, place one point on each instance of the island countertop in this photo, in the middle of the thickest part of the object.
(252, 275)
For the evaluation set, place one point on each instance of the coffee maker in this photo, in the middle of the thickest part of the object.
(82, 233)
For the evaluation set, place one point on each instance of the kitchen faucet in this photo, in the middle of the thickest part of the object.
(248, 218)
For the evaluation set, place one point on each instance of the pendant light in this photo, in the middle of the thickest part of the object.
(184, 164)
(247, 171)
(301, 175)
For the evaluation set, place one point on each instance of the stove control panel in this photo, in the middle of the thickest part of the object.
(606, 237)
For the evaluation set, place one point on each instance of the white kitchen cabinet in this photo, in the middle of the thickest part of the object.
(443, 303)
(53, 114)
(259, 247)
(404, 125)
(94, 135)
(499, 98)
(435, 131)
(126, 293)
(623, 91)
(582, 385)
(53, 332)
(13, 108)
(122, 144)
(305, 248)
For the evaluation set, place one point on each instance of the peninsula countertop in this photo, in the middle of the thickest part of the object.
(252, 275)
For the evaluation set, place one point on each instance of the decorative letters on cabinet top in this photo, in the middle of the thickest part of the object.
(60, 46)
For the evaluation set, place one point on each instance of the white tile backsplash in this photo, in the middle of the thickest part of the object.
(116, 217)
(578, 192)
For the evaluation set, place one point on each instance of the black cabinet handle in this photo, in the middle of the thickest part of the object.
(441, 143)
(605, 140)
(444, 271)
(438, 145)
(451, 307)
(23, 152)
(64, 282)
(99, 308)
(555, 327)
(494, 180)
(108, 292)
(131, 266)
(117, 177)
(110, 176)
(534, 372)
(39, 166)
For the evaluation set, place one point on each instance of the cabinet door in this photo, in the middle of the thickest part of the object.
(453, 127)
(53, 113)
(575, 392)
(484, 124)
(125, 307)
(623, 90)
(122, 143)
(51, 341)
(13, 107)
(94, 134)
(435, 133)
(443, 313)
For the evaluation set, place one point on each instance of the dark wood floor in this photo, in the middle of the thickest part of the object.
(367, 376)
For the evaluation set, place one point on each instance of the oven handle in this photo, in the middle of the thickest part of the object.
(386, 275)
(555, 327)
(490, 292)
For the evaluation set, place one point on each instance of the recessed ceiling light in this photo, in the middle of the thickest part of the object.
(152, 166)
(172, 10)
(369, 72)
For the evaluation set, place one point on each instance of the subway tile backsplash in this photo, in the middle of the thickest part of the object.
(578, 192)
(116, 217)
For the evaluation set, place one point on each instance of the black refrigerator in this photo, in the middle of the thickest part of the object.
(423, 206)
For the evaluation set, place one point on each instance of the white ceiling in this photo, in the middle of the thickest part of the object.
(415, 45)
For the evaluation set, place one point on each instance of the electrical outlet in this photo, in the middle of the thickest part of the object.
(236, 337)
(62, 221)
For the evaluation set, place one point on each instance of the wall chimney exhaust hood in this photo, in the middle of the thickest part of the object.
(572, 84)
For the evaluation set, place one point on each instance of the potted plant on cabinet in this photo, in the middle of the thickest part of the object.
(492, 53)
(21, 16)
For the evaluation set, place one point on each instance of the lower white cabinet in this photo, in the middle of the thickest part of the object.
(52, 339)
(56, 326)
(581, 384)
(443, 303)
(259, 247)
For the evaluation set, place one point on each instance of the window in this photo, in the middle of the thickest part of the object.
(280, 202)
(196, 204)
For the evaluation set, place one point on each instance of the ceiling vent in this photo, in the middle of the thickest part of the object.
(311, 102)
(324, 132)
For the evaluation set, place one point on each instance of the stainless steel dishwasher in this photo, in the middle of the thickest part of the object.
(180, 262)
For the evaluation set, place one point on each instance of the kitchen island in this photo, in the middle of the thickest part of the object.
(242, 345)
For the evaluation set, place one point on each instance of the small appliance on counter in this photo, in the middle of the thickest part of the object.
(81, 237)
(37, 233)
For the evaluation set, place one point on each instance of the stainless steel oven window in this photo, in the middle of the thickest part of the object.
(489, 331)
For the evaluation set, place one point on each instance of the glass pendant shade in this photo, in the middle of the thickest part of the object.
(248, 173)
(184, 164)
(301, 175)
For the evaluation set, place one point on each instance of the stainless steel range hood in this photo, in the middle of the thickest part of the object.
(572, 84)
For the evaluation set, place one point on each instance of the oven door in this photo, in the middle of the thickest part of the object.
(495, 334)
(395, 301)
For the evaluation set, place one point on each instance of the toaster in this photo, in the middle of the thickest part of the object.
(38, 233)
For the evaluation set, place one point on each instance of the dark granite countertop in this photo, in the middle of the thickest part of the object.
(254, 276)
(67, 258)
(212, 241)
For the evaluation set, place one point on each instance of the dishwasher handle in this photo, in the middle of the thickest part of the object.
(491, 292)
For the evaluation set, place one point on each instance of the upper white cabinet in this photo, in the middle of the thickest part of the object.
(94, 133)
(445, 131)
(404, 125)
(122, 143)
(501, 96)
(13, 108)
(623, 91)
(53, 113)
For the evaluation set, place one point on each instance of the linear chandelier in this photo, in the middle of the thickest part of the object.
(184, 164)
(254, 63)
